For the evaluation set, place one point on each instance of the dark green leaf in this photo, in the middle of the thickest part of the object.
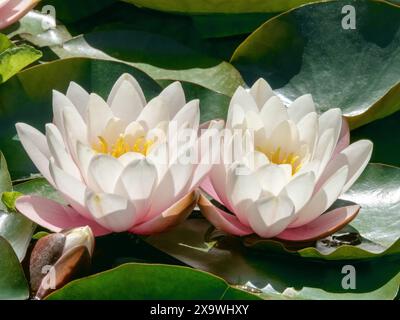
(74, 10)
(219, 6)
(13, 284)
(382, 134)
(136, 281)
(307, 50)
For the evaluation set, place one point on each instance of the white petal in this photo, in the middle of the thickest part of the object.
(72, 189)
(155, 112)
(324, 150)
(99, 114)
(269, 217)
(236, 117)
(84, 157)
(272, 114)
(331, 119)
(253, 121)
(323, 199)
(104, 172)
(209, 154)
(300, 107)
(75, 128)
(111, 211)
(133, 83)
(356, 156)
(173, 97)
(62, 158)
(129, 157)
(79, 97)
(300, 189)
(273, 178)
(308, 130)
(35, 145)
(284, 136)
(241, 189)
(60, 102)
(261, 92)
(113, 130)
(170, 188)
(137, 182)
(126, 103)
(243, 99)
(189, 114)
(133, 131)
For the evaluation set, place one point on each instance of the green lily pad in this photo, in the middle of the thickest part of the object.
(25, 99)
(135, 281)
(228, 25)
(380, 132)
(306, 50)
(276, 276)
(74, 10)
(219, 6)
(13, 284)
(14, 58)
(161, 57)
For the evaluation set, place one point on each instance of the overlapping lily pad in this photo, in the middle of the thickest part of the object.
(162, 58)
(27, 98)
(307, 50)
(219, 6)
(150, 281)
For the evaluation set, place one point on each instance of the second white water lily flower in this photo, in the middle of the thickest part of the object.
(298, 166)
(109, 162)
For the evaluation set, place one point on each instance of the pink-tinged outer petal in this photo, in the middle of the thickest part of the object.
(54, 216)
(344, 138)
(170, 217)
(221, 219)
(13, 10)
(208, 188)
(321, 227)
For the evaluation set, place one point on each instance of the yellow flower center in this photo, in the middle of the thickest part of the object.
(121, 146)
(279, 157)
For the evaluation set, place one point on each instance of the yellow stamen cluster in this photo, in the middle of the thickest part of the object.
(121, 146)
(279, 157)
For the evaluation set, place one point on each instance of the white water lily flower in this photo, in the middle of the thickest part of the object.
(302, 163)
(106, 159)
(12, 10)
